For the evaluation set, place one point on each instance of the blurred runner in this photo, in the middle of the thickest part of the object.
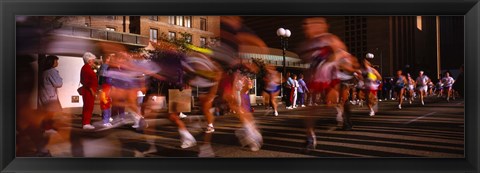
(328, 58)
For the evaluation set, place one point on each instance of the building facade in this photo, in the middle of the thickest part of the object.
(201, 30)
(79, 34)
(408, 43)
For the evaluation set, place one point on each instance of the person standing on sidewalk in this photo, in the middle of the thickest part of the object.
(288, 91)
(89, 82)
(302, 90)
(459, 84)
(48, 97)
(294, 96)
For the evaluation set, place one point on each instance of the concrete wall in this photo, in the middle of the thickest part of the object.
(69, 68)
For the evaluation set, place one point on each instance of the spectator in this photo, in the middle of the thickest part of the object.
(88, 79)
(293, 97)
(302, 89)
(460, 82)
(288, 91)
(48, 97)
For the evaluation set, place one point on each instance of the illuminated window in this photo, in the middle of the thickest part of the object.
(179, 20)
(188, 21)
(203, 24)
(172, 35)
(110, 29)
(203, 42)
(188, 38)
(171, 20)
(419, 22)
(153, 35)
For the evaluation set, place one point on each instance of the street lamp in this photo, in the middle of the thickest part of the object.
(284, 34)
(370, 56)
(381, 60)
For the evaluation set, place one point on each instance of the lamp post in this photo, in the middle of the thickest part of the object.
(284, 34)
(381, 61)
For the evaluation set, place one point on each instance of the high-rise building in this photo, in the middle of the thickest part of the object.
(407, 43)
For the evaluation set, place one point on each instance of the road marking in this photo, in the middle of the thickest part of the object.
(426, 115)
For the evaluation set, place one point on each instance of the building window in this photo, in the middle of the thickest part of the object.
(172, 35)
(203, 24)
(203, 42)
(188, 21)
(171, 20)
(111, 17)
(155, 18)
(110, 29)
(153, 35)
(179, 20)
(87, 24)
(188, 38)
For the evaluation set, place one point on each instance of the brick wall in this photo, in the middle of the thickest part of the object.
(162, 25)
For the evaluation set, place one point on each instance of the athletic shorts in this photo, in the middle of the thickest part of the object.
(277, 88)
(398, 89)
(422, 88)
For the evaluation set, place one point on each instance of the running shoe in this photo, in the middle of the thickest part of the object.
(210, 129)
(188, 141)
(249, 137)
(107, 125)
(88, 127)
(182, 115)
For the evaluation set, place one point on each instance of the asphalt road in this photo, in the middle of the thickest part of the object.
(434, 130)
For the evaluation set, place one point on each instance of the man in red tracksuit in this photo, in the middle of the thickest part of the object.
(89, 82)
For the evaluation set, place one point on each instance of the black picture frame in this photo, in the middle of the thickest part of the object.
(9, 8)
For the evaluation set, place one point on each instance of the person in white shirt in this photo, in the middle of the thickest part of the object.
(294, 91)
(447, 84)
(422, 82)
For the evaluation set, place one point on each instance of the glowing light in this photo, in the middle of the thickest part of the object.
(419, 23)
